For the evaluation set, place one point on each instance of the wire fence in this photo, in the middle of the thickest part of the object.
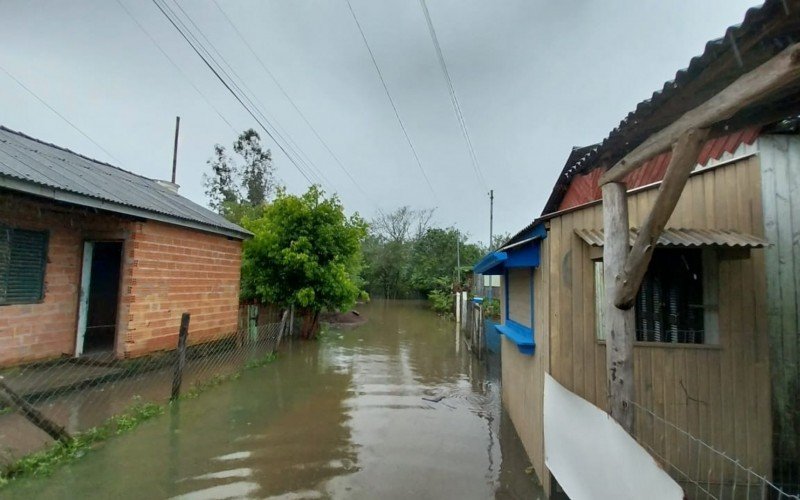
(73, 395)
(703, 471)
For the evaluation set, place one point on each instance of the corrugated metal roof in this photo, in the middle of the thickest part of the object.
(32, 162)
(764, 32)
(682, 237)
(584, 188)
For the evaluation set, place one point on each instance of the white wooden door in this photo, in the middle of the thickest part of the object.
(83, 297)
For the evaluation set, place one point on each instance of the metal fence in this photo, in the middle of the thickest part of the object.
(703, 471)
(74, 395)
(473, 329)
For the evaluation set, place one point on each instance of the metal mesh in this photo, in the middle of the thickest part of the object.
(702, 470)
(79, 394)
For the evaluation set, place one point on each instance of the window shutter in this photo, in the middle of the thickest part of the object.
(23, 257)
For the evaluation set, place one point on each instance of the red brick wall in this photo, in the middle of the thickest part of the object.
(46, 330)
(166, 270)
(175, 270)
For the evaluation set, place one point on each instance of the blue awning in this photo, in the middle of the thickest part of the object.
(492, 263)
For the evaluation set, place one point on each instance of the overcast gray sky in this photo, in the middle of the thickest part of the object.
(534, 78)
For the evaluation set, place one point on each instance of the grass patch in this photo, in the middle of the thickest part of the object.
(43, 463)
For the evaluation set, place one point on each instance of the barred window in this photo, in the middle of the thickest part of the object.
(677, 301)
(669, 306)
(23, 257)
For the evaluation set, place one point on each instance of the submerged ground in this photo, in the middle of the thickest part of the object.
(394, 408)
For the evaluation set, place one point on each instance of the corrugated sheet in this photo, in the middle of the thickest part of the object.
(32, 161)
(584, 189)
(764, 32)
(683, 237)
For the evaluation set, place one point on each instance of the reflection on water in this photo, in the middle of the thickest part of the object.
(396, 408)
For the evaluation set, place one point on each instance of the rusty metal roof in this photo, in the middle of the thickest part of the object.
(763, 33)
(39, 168)
(683, 237)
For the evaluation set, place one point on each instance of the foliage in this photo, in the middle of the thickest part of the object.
(491, 308)
(434, 257)
(441, 296)
(240, 191)
(43, 462)
(305, 252)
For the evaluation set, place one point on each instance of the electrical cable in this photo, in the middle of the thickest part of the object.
(391, 101)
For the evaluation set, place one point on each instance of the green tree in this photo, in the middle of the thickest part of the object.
(305, 253)
(434, 257)
(238, 191)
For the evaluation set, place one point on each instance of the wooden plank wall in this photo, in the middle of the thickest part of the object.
(519, 288)
(719, 394)
(523, 376)
(780, 157)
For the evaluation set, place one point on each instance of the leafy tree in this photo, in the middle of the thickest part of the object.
(221, 187)
(305, 253)
(257, 172)
(434, 256)
(239, 191)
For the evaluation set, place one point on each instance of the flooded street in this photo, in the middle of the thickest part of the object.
(392, 409)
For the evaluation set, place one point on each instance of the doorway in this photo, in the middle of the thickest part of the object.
(97, 312)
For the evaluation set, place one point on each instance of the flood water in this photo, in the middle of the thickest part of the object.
(395, 408)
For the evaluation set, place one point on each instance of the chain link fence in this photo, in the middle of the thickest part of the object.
(40, 401)
(704, 471)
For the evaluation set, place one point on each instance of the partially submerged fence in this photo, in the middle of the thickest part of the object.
(472, 325)
(704, 471)
(72, 395)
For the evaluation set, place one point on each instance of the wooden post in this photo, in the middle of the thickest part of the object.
(291, 321)
(32, 414)
(759, 84)
(618, 324)
(282, 328)
(180, 361)
(684, 159)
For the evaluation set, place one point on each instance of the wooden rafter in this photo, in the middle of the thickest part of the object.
(758, 84)
(684, 158)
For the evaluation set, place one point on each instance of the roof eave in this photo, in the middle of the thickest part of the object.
(88, 201)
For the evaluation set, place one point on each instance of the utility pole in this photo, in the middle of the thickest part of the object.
(458, 257)
(175, 150)
(491, 219)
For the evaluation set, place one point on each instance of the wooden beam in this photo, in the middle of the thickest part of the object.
(36, 417)
(618, 324)
(683, 161)
(757, 85)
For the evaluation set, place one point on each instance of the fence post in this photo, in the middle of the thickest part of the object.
(32, 414)
(180, 361)
(282, 328)
(291, 321)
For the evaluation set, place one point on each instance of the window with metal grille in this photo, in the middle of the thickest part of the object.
(23, 257)
(677, 301)
(669, 306)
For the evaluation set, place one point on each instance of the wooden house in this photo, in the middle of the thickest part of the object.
(715, 323)
(98, 260)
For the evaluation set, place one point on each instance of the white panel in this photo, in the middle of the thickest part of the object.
(592, 457)
(83, 307)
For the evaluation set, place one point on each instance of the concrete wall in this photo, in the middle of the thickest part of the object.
(166, 270)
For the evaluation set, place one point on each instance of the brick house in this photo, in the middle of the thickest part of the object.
(95, 259)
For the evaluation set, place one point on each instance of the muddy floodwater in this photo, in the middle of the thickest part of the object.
(395, 408)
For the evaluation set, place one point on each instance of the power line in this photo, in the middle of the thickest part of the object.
(391, 101)
(185, 76)
(259, 106)
(294, 105)
(453, 96)
(227, 85)
(51, 108)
